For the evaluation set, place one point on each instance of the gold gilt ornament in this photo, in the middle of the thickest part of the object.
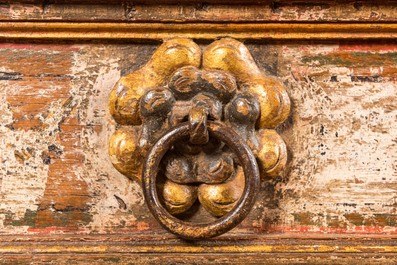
(197, 127)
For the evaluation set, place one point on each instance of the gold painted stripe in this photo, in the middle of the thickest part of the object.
(159, 31)
(125, 248)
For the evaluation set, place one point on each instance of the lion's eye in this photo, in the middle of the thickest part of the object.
(156, 101)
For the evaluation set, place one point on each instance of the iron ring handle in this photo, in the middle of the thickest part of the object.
(196, 231)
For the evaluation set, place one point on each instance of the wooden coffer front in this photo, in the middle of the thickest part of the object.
(63, 202)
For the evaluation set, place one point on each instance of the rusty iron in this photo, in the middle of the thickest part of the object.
(198, 126)
(193, 231)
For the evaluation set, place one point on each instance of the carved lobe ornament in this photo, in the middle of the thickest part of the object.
(197, 127)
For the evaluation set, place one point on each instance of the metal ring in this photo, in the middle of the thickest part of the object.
(195, 231)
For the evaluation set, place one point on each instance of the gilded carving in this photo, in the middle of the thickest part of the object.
(183, 84)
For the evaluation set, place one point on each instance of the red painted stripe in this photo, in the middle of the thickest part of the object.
(58, 47)
(368, 47)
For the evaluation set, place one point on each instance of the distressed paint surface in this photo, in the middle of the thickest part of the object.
(261, 10)
(343, 137)
(53, 110)
(56, 176)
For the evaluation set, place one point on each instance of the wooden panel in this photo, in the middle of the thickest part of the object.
(340, 135)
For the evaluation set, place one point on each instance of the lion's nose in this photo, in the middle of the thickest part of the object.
(204, 107)
(181, 109)
(211, 104)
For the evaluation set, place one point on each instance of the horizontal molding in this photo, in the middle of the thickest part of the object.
(166, 249)
(139, 244)
(54, 31)
(268, 11)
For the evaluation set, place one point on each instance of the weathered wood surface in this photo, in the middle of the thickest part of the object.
(56, 175)
(196, 11)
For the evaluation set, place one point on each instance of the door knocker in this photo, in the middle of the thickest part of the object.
(196, 128)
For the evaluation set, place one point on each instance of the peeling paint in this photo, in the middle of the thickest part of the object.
(56, 176)
(345, 148)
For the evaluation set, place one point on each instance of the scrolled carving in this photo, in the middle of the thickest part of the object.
(181, 84)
